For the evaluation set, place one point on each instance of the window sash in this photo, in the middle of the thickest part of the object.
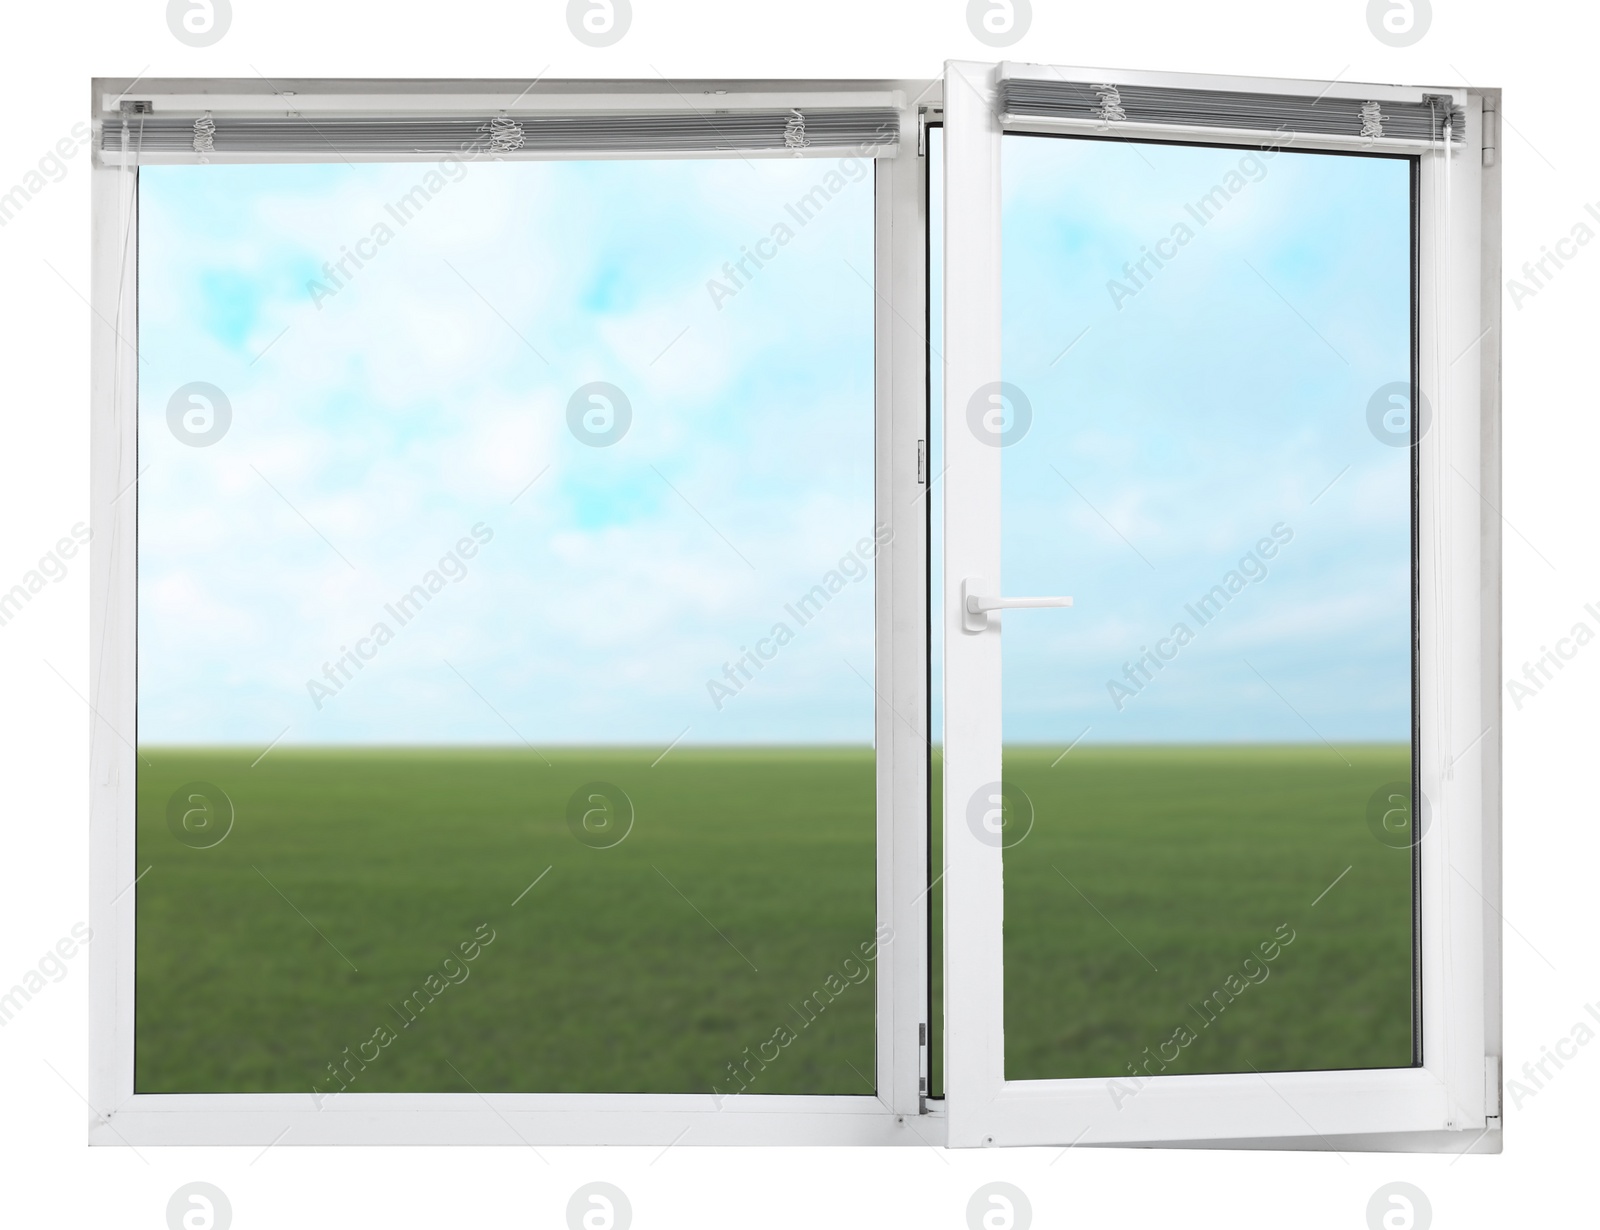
(123, 1117)
(1458, 585)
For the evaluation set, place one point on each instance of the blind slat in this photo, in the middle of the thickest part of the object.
(834, 128)
(1223, 109)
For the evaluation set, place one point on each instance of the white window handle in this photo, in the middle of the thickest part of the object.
(975, 606)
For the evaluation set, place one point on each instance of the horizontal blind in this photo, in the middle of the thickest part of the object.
(843, 129)
(1226, 109)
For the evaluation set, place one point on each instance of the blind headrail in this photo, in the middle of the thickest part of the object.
(864, 131)
(1105, 104)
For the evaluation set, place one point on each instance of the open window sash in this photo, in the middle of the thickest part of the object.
(1450, 1100)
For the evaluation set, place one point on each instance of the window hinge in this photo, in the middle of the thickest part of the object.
(922, 461)
(1491, 134)
(922, 1068)
(1491, 1090)
(922, 134)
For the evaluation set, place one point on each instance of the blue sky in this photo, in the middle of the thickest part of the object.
(382, 412)
(1180, 418)
(375, 426)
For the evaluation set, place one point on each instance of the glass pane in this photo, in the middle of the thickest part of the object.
(1207, 745)
(506, 628)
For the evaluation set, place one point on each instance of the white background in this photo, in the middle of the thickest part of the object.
(1541, 55)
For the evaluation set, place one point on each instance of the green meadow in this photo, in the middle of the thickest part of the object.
(649, 966)
(372, 892)
(1152, 876)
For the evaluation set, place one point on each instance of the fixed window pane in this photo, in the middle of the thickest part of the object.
(505, 702)
(1208, 767)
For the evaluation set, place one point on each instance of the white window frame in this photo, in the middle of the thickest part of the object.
(1426, 1109)
(119, 1116)
(1451, 1102)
